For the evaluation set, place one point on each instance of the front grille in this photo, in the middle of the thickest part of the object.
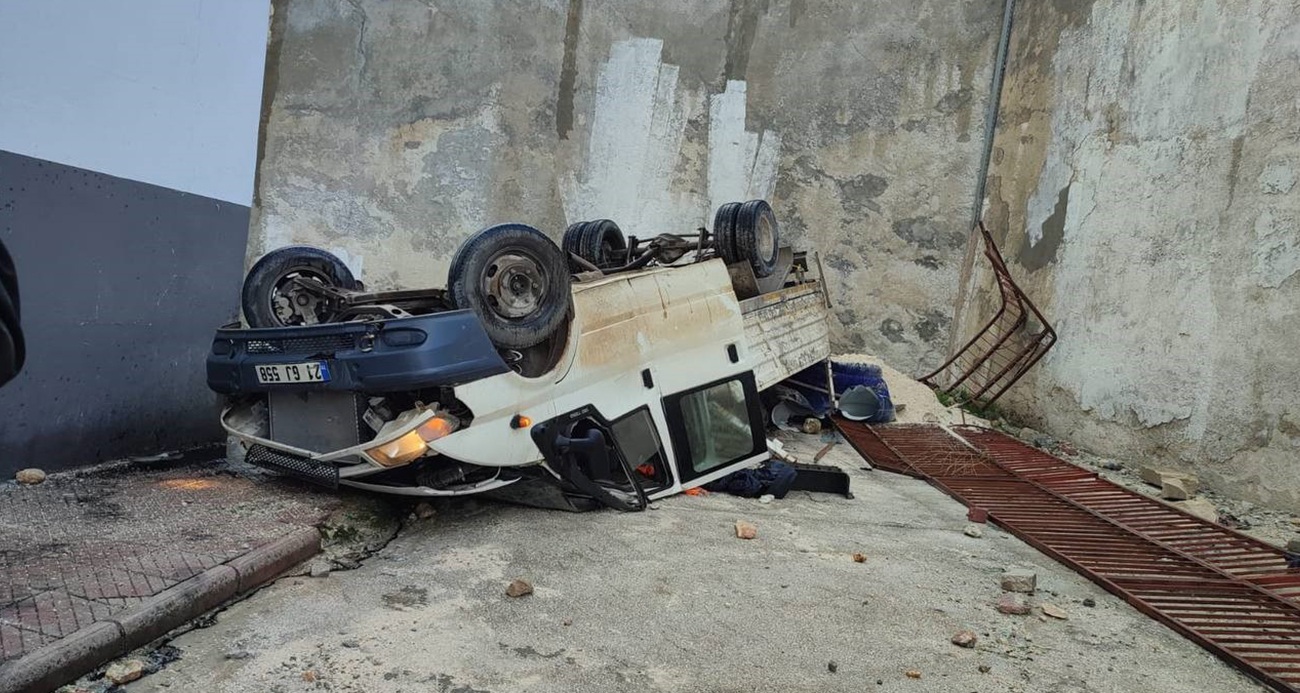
(322, 473)
(321, 344)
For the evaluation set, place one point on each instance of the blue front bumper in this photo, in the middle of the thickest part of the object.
(394, 355)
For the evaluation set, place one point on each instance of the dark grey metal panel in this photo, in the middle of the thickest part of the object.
(122, 285)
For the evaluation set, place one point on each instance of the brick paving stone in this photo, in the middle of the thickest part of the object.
(77, 549)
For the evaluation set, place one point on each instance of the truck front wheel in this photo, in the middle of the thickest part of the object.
(516, 280)
(279, 291)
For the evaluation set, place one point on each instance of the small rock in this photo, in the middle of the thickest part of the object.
(1112, 465)
(238, 654)
(1019, 580)
(964, 638)
(29, 476)
(655, 506)
(973, 531)
(831, 666)
(1178, 487)
(309, 676)
(124, 671)
(859, 558)
(352, 644)
(1090, 602)
(913, 674)
(1053, 611)
(518, 588)
(319, 569)
(1013, 604)
(424, 510)
(1295, 521)
(766, 498)
(1199, 507)
(984, 668)
(567, 622)
(745, 530)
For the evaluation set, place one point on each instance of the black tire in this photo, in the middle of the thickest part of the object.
(516, 280)
(603, 244)
(757, 236)
(724, 232)
(267, 281)
(572, 240)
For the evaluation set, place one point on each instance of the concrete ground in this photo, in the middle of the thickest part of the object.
(670, 600)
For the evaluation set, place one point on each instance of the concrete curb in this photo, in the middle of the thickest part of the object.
(64, 660)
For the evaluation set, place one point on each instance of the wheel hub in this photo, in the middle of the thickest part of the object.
(514, 285)
(295, 304)
(766, 237)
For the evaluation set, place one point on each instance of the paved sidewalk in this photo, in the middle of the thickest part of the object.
(79, 549)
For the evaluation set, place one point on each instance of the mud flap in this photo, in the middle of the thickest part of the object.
(580, 447)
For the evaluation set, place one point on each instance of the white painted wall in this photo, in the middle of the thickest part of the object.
(166, 92)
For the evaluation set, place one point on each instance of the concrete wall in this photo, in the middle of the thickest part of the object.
(396, 129)
(1144, 186)
(128, 136)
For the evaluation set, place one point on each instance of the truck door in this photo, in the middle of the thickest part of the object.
(716, 429)
(616, 462)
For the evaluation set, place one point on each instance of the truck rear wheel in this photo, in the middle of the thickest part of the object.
(757, 236)
(724, 232)
(277, 290)
(600, 242)
(516, 280)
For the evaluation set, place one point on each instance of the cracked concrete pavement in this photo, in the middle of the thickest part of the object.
(669, 599)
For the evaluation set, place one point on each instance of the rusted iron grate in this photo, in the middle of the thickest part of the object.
(1221, 589)
(1008, 345)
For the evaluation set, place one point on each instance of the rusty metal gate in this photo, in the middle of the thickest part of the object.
(1229, 593)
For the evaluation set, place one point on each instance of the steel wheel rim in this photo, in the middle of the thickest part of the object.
(288, 305)
(765, 237)
(514, 284)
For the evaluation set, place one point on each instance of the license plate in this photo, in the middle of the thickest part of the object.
(288, 373)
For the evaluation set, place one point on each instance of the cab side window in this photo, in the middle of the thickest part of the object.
(635, 436)
(715, 426)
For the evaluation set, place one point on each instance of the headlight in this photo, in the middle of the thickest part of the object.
(413, 444)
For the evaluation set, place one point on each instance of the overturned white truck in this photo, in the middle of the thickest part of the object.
(610, 370)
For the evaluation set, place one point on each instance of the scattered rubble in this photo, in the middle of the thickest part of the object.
(424, 510)
(519, 588)
(1053, 611)
(124, 671)
(1178, 488)
(745, 530)
(29, 476)
(973, 531)
(1019, 580)
(1014, 604)
(965, 639)
(1198, 507)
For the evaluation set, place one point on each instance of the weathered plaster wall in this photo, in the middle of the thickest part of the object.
(1144, 180)
(394, 129)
